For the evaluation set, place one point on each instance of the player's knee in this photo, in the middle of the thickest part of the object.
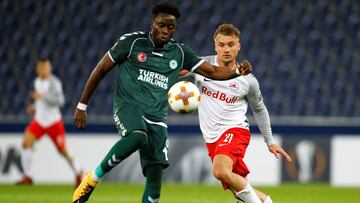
(28, 141)
(222, 174)
(63, 151)
(25, 145)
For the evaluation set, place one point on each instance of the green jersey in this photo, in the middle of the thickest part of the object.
(146, 72)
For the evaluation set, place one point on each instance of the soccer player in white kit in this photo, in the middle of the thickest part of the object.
(48, 98)
(223, 122)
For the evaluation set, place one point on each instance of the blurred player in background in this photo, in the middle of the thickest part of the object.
(223, 122)
(48, 98)
(148, 65)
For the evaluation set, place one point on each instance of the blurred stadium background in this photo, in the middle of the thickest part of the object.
(306, 55)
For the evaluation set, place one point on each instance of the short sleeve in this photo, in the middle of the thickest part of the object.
(121, 48)
(191, 60)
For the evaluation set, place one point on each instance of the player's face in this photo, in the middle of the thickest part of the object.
(163, 27)
(227, 47)
(43, 69)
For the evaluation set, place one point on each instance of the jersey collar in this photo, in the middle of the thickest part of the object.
(152, 42)
(166, 46)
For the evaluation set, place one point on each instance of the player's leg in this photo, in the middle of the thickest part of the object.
(228, 165)
(56, 133)
(26, 155)
(32, 132)
(263, 197)
(120, 151)
(154, 159)
(75, 167)
(223, 171)
(152, 190)
(131, 126)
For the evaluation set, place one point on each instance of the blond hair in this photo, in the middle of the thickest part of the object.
(227, 29)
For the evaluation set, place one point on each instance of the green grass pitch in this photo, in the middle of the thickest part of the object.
(177, 193)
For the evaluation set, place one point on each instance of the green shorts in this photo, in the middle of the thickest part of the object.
(154, 152)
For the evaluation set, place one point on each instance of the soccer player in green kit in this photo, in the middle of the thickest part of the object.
(148, 65)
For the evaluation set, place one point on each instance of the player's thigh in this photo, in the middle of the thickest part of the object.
(155, 151)
(233, 143)
(32, 133)
(128, 118)
(222, 163)
(56, 133)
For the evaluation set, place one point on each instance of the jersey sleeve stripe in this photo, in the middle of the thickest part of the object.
(182, 55)
(197, 65)
(132, 45)
(112, 59)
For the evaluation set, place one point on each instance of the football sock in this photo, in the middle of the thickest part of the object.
(120, 151)
(98, 173)
(73, 164)
(153, 184)
(26, 161)
(248, 195)
(268, 200)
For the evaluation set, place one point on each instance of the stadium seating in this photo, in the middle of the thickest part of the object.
(306, 55)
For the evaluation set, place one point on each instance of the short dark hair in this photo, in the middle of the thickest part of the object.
(168, 8)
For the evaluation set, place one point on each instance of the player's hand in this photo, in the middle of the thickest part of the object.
(30, 110)
(277, 151)
(35, 95)
(245, 67)
(183, 72)
(80, 118)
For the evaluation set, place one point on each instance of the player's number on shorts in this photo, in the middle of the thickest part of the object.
(165, 150)
(228, 137)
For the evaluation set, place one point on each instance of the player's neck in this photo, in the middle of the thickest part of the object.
(44, 77)
(156, 44)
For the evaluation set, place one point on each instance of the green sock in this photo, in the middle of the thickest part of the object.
(120, 151)
(153, 184)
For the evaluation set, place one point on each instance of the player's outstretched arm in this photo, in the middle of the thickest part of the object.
(277, 151)
(99, 72)
(184, 73)
(219, 73)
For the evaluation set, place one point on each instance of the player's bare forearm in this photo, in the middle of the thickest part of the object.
(219, 73)
(216, 73)
(99, 72)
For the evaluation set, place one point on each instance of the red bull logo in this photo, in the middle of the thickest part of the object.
(219, 95)
(234, 86)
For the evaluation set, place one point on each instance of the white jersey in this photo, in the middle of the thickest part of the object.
(224, 104)
(47, 108)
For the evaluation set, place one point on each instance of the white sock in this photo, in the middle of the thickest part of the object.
(268, 200)
(94, 177)
(26, 160)
(73, 165)
(248, 195)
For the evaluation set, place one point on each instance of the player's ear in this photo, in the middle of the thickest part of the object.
(239, 46)
(151, 23)
(215, 47)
